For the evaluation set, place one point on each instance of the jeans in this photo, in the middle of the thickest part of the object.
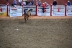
(43, 10)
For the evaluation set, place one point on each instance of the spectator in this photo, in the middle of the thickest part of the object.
(46, 4)
(54, 2)
(32, 1)
(20, 1)
(24, 2)
(29, 3)
(43, 7)
(39, 2)
(36, 2)
(7, 2)
(15, 2)
(68, 3)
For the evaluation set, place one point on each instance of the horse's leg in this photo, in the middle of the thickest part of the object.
(25, 19)
(30, 14)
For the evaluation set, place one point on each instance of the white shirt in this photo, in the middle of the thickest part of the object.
(24, 3)
(19, 0)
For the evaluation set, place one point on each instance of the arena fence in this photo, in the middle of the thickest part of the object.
(15, 11)
(58, 10)
(3, 10)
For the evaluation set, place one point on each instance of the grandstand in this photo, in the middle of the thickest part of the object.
(60, 2)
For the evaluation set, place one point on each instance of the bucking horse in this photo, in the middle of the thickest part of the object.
(27, 14)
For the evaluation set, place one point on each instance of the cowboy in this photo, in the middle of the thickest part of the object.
(43, 7)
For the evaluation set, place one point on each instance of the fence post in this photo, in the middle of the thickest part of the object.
(36, 10)
(7, 8)
(22, 8)
(65, 9)
(0, 9)
(50, 9)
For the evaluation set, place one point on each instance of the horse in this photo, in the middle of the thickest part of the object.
(27, 14)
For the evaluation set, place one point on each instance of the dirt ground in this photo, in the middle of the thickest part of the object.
(36, 33)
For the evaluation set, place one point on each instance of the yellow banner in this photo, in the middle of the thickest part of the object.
(3, 14)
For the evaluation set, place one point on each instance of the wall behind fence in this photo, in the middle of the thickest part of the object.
(49, 1)
(60, 2)
(58, 10)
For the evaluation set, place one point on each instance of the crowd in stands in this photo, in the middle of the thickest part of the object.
(23, 2)
(68, 3)
(32, 2)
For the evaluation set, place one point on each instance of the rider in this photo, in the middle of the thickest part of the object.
(43, 7)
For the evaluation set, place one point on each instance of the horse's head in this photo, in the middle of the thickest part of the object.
(30, 9)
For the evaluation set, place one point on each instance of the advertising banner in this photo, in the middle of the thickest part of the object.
(69, 10)
(3, 10)
(46, 13)
(58, 10)
(15, 11)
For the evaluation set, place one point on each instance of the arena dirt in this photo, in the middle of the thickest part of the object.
(36, 33)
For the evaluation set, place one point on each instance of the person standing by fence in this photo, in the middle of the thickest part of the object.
(20, 2)
(32, 1)
(15, 3)
(46, 4)
(43, 7)
(54, 2)
(68, 3)
(39, 3)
